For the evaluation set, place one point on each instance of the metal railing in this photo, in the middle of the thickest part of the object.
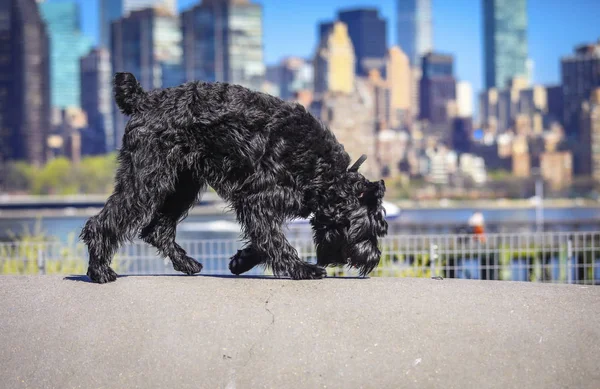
(558, 257)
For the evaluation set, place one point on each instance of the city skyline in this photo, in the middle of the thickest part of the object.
(457, 30)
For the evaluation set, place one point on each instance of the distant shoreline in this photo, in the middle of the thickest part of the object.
(213, 206)
(495, 204)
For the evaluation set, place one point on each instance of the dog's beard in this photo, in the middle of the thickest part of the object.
(356, 246)
(363, 250)
(364, 256)
(350, 235)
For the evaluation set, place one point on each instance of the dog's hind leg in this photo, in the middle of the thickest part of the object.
(263, 226)
(132, 205)
(102, 234)
(161, 231)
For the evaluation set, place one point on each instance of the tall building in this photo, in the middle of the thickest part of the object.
(462, 134)
(399, 77)
(554, 94)
(96, 101)
(294, 74)
(382, 99)
(587, 156)
(505, 41)
(368, 33)
(437, 88)
(464, 99)
(24, 82)
(335, 62)
(111, 10)
(67, 46)
(223, 41)
(324, 29)
(351, 118)
(415, 28)
(580, 75)
(146, 43)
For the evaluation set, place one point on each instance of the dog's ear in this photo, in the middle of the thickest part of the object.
(354, 168)
(373, 193)
(128, 92)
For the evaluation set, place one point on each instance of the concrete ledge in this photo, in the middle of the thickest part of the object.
(226, 332)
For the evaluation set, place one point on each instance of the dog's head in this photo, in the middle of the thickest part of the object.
(347, 230)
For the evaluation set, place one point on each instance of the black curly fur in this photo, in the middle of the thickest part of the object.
(269, 159)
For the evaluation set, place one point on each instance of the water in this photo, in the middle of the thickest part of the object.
(224, 226)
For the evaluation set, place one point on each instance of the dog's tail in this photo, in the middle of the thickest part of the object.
(128, 93)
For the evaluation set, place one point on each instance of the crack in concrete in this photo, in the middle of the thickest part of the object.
(251, 350)
(268, 310)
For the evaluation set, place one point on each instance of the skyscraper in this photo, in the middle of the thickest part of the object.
(223, 41)
(96, 101)
(368, 32)
(438, 87)
(334, 62)
(67, 46)
(24, 82)
(415, 28)
(505, 41)
(580, 75)
(111, 10)
(147, 43)
(398, 75)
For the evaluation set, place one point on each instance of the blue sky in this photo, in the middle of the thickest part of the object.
(555, 26)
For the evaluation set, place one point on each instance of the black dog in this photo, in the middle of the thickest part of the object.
(269, 159)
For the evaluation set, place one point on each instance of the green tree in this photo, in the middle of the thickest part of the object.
(96, 174)
(19, 176)
(56, 177)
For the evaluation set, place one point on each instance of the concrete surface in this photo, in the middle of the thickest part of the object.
(226, 332)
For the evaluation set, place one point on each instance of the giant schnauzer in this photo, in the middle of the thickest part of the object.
(270, 160)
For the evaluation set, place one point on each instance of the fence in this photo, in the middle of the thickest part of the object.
(558, 257)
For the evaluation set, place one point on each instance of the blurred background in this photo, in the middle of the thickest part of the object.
(470, 106)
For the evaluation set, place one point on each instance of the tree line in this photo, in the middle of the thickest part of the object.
(60, 176)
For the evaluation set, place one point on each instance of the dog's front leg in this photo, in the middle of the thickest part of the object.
(245, 260)
(162, 229)
(267, 239)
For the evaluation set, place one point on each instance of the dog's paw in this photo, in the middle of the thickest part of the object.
(102, 274)
(242, 262)
(188, 266)
(308, 272)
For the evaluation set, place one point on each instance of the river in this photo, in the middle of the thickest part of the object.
(407, 221)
